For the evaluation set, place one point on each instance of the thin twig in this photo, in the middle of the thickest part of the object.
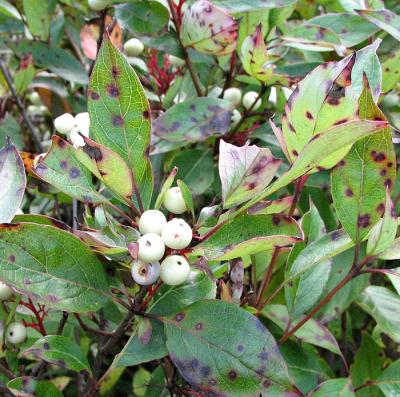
(62, 323)
(21, 108)
(89, 329)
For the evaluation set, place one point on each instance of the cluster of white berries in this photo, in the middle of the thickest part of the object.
(157, 234)
(15, 332)
(75, 127)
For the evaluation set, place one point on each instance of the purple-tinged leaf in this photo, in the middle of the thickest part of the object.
(222, 350)
(235, 6)
(145, 330)
(26, 386)
(384, 19)
(209, 29)
(277, 206)
(244, 171)
(312, 332)
(12, 182)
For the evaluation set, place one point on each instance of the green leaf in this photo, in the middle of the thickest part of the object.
(340, 387)
(350, 28)
(25, 74)
(311, 332)
(391, 71)
(37, 17)
(187, 196)
(244, 171)
(208, 29)
(235, 355)
(249, 234)
(9, 10)
(61, 168)
(196, 169)
(142, 17)
(60, 351)
(383, 233)
(194, 120)
(57, 60)
(26, 386)
(108, 166)
(120, 114)
(53, 267)
(12, 182)
(360, 182)
(251, 5)
(384, 19)
(9, 127)
(368, 364)
(389, 381)
(384, 306)
(166, 185)
(249, 20)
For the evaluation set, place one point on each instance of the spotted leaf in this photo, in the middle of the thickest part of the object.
(209, 29)
(60, 351)
(384, 19)
(52, 267)
(12, 182)
(340, 387)
(391, 72)
(120, 114)
(26, 386)
(312, 332)
(61, 168)
(235, 355)
(194, 120)
(256, 59)
(248, 235)
(108, 166)
(244, 171)
(360, 181)
(251, 5)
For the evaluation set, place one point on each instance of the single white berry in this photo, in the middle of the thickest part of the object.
(174, 202)
(33, 109)
(175, 270)
(98, 5)
(233, 95)
(82, 123)
(152, 221)
(151, 247)
(64, 123)
(16, 333)
(133, 47)
(76, 138)
(35, 99)
(145, 273)
(177, 234)
(5, 292)
(175, 61)
(249, 98)
(236, 117)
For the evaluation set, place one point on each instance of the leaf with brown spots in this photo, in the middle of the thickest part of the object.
(120, 114)
(248, 235)
(222, 350)
(384, 19)
(12, 182)
(359, 186)
(60, 351)
(391, 71)
(26, 386)
(108, 166)
(62, 169)
(53, 267)
(209, 29)
(244, 171)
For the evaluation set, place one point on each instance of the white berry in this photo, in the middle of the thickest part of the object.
(151, 247)
(5, 292)
(249, 98)
(233, 95)
(152, 221)
(64, 123)
(174, 202)
(236, 117)
(16, 333)
(175, 270)
(82, 123)
(133, 47)
(215, 92)
(177, 234)
(98, 5)
(175, 61)
(35, 99)
(145, 273)
(76, 139)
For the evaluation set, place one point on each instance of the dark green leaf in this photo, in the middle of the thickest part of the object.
(340, 387)
(389, 381)
(37, 17)
(26, 386)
